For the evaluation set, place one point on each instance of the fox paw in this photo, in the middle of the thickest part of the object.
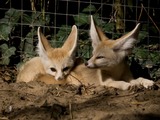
(148, 84)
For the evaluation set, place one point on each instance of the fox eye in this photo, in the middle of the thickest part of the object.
(53, 69)
(66, 68)
(100, 57)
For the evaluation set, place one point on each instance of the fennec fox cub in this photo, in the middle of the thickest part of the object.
(109, 57)
(107, 66)
(57, 62)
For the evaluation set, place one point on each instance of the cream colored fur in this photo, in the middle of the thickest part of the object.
(53, 61)
(109, 57)
(106, 67)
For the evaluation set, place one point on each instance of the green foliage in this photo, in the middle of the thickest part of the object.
(148, 59)
(146, 56)
(58, 39)
(142, 35)
(82, 19)
(8, 23)
(143, 56)
(90, 8)
(33, 20)
(6, 53)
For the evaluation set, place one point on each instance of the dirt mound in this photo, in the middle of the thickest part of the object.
(38, 101)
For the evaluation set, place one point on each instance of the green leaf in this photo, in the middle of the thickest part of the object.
(3, 47)
(13, 15)
(142, 35)
(90, 8)
(82, 19)
(5, 30)
(6, 54)
(141, 53)
(27, 19)
(8, 23)
(61, 36)
(109, 27)
(5, 61)
(27, 42)
(155, 57)
(36, 19)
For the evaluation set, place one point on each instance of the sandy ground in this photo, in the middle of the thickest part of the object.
(38, 101)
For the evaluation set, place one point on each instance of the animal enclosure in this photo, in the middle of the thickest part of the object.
(19, 20)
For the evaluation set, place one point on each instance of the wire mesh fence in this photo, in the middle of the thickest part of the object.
(19, 20)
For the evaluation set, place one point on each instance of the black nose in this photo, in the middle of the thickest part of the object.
(86, 63)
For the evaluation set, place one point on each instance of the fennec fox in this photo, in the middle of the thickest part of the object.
(57, 62)
(109, 57)
(107, 66)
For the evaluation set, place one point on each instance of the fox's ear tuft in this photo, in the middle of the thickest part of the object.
(96, 34)
(127, 42)
(43, 44)
(71, 42)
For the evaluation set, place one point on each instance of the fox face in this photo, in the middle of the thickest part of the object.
(58, 61)
(108, 53)
(102, 58)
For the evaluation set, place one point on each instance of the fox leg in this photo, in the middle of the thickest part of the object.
(116, 84)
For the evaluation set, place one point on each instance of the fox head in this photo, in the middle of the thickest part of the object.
(58, 61)
(106, 52)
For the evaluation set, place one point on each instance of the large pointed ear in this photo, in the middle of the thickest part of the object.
(126, 42)
(43, 44)
(71, 42)
(96, 34)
